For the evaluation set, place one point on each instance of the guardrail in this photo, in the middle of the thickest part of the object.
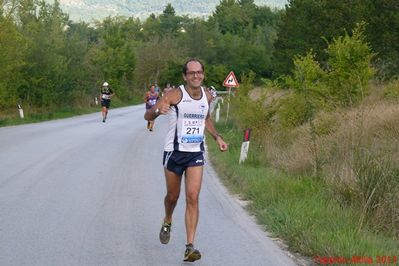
(222, 92)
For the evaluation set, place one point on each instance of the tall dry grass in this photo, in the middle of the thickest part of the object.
(356, 150)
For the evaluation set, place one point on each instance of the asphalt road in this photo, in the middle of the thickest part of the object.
(81, 192)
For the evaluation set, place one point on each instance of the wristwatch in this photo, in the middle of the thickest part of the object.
(156, 111)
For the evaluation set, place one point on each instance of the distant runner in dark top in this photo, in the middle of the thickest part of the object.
(105, 97)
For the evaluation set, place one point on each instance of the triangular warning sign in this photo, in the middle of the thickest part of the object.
(230, 80)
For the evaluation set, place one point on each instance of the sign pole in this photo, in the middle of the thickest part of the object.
(228, 104)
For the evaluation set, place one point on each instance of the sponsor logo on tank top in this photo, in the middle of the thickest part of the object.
(192, 139)
(194, 116)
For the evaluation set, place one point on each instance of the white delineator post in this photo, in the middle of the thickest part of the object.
(218, 102)
(245, 145)
(96, 100)
(21, 111)
(217, 116)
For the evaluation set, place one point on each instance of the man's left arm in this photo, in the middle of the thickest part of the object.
(210, 127)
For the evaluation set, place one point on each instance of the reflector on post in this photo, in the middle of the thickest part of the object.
(247, 134)
(245, 145)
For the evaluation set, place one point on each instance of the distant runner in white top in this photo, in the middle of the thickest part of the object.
(188, 111)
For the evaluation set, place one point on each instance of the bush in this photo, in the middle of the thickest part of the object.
(391, 91)
(294, 111)
(249, 113)
(350, 67)
(377, 182)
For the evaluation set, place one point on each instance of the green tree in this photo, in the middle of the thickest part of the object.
(113, 57)
(155, 58)
(246, 36)
(342, 83)
(169, 22)
(310, 92)
(199, 40)
(233, 17)
(382, 17)
(151, 27)
(44, 75)
(305, 22)
(79, 85)
(350, 67)
(12, 49)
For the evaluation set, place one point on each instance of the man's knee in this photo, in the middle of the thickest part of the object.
(192, 199)
(172, 198)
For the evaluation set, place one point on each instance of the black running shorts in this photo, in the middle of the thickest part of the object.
(105, 102)
(178, 161)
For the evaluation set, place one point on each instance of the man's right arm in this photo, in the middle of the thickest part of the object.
(162, 106)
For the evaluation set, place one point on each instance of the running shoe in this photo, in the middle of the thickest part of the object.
(103, 120)
(164, 234)
(191, 254)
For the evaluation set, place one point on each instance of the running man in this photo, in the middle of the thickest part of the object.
(187, 108)
(105, 97)
(150, 99)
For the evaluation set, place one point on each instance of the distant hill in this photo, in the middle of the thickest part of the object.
(89, 10)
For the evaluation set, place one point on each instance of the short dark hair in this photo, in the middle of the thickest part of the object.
(192, 60)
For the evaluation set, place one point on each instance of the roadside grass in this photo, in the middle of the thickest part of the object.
(301, 210)
(34, 115)
(40, 116)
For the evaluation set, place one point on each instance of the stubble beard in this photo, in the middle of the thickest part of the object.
(194, 86)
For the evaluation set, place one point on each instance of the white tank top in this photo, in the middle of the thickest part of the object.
(187, 123)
